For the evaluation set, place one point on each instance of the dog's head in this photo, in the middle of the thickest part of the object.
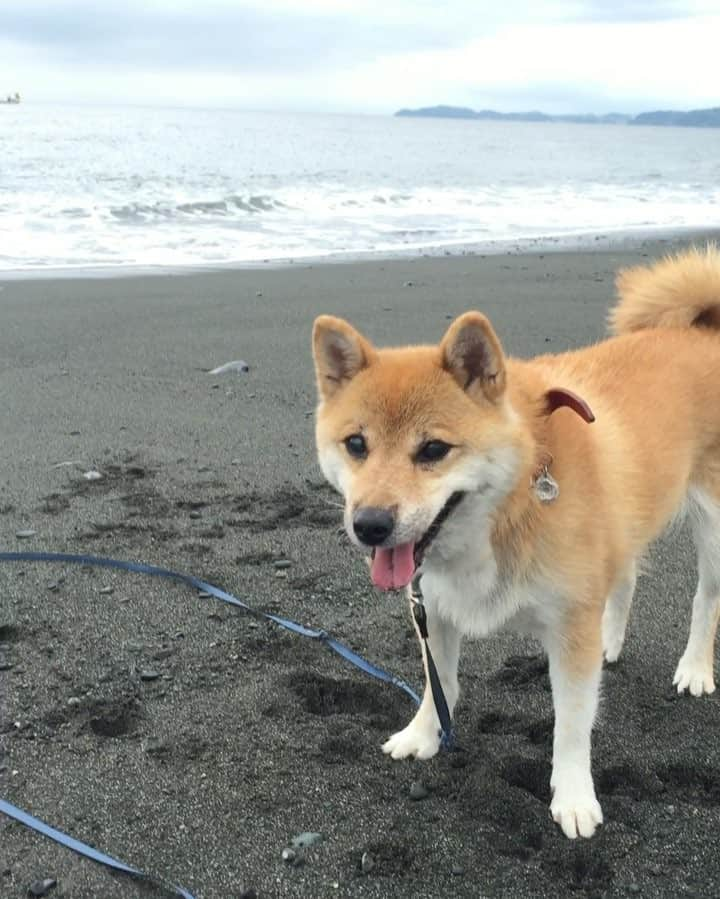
(403, 433)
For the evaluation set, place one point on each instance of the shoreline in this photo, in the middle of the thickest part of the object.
(622, 239)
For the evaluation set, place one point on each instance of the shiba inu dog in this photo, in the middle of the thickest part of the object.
(550, 477)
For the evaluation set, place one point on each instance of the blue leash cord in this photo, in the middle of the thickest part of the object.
(140, 568)
(18, 814)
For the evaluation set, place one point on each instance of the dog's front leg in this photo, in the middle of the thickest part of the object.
(575, 668)
(421, 738)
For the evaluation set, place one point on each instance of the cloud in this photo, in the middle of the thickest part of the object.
(365, 55)
(636, 11)
(213, 37)
(282, 35)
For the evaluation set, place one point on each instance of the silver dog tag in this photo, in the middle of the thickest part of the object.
(546, 487)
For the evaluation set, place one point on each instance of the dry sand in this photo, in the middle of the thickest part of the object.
(249, 736)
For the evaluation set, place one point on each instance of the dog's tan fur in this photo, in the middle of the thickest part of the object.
(655, 393)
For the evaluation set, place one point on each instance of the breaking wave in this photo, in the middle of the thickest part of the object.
(230, 205)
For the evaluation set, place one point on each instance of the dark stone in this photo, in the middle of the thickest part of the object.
(418, 791)
(292, 858)
(41, 887)
(149, 674)
(156, 746)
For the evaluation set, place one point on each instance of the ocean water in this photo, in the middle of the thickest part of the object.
(89, 187)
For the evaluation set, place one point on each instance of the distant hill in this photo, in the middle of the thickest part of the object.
(440, 112)
(697, 118)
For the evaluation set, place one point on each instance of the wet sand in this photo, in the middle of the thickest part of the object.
(191, 739)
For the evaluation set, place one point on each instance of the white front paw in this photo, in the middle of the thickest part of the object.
(613, 634)
(694, 675)
(421, 738)
(612, 647)
(575, 807)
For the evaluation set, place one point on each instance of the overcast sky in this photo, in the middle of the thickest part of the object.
(372, 57)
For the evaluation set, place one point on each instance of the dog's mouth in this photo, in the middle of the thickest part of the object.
(393, 567)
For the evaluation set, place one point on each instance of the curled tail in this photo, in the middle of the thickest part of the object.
(680, 291)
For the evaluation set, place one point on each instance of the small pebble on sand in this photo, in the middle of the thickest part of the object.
(306, 839)
(149, 674)
(238, 366)
(418, 791)
(42, 887)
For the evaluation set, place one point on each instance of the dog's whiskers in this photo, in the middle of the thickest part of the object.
(329, 502)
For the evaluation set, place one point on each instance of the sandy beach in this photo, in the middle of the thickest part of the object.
(194, 741)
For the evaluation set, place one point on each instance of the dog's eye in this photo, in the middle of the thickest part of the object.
(432, 451)
(356, 446)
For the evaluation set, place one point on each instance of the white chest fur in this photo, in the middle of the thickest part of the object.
(478, 602)
(461, 581)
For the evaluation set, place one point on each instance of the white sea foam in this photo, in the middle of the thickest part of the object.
(91, 187)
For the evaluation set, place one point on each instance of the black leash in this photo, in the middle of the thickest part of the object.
(438, 694)
(434, 528)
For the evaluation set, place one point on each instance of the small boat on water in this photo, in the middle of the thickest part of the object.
(11, 98)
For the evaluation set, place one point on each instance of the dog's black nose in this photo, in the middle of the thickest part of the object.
(372, 525)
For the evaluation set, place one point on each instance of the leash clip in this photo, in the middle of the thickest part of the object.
(418, 609)
(420, 619)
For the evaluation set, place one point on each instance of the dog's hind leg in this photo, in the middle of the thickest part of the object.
(421, 738)
(695, 669)
(615, 616)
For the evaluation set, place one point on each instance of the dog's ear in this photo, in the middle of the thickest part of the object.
(340, 352)
(472, 353)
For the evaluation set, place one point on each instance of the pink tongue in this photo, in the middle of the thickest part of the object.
(394, 567)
